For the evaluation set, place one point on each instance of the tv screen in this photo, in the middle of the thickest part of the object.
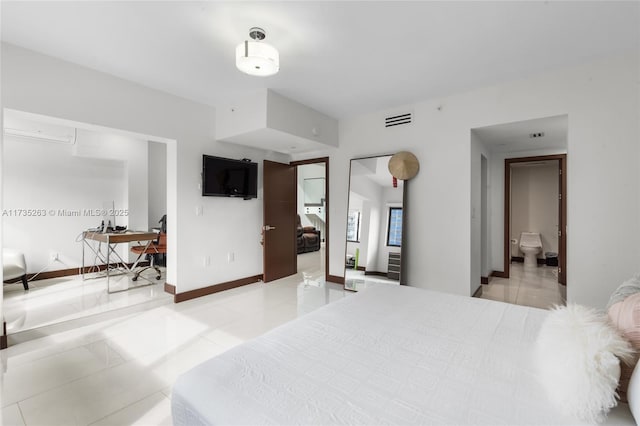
(224, 177)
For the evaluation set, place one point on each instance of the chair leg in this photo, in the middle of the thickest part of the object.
(158, 271)
(25, 283)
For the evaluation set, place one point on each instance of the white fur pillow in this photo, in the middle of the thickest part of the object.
(577, 356)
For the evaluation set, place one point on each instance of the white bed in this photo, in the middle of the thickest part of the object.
(386, 355)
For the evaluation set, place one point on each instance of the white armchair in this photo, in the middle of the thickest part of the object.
(14, 266)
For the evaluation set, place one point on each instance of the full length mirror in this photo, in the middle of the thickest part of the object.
(374, 223)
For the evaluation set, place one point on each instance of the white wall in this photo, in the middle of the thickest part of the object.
(372, 220)
(371, 195)
(47, 177)
(70, 183)
(535, 204)
(134, 154)
(478, 247)
(299, 120)
(157, 183)
(391, 197)
(356, 203)
(485, 230)
(601, 100)
(44, 85)
(286, 122)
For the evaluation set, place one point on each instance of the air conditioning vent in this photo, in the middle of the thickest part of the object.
(397, 120)
(65, 138)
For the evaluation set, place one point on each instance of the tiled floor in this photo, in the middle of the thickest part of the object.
(357, 280)
(57, 300)
(538, 288)
(120, 371)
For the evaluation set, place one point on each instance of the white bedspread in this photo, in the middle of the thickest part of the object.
(386, 355)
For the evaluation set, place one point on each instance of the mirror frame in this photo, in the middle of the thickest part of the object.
(401, 280)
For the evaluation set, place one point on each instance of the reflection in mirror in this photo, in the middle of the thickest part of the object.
(71, 180)
(374, 224)
(314, 192)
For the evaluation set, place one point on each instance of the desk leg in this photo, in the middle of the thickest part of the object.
(108, 264)
(84, 241)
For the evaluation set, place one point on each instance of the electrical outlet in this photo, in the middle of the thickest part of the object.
(199, 210)
(207, 261)
(231, 257)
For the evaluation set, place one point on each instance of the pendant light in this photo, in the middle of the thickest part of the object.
(255, 57)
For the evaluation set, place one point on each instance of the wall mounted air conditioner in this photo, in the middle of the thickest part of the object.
(69, 139)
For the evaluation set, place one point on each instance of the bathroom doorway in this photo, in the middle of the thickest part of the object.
(539, 177)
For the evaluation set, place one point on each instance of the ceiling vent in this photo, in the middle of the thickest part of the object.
(536, 135)
(397, 120)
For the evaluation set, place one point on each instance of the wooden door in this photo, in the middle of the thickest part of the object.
(279, 223)
(562, 222)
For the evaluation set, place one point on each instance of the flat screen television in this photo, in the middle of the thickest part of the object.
(224, 177)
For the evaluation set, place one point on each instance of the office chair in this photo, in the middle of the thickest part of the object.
(157, 247)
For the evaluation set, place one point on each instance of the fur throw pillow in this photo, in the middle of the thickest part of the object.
(578, 356)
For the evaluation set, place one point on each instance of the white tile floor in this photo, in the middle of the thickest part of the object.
(120, 371)
(63, 299)
(538, 288)
(357, 280)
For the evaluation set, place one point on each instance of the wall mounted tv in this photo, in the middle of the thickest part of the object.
(224, 177)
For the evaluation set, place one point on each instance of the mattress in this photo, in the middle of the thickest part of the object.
(386, 355)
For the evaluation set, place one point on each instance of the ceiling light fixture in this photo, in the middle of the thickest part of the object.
(255, 57)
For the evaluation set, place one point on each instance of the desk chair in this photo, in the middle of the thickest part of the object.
(157, 247)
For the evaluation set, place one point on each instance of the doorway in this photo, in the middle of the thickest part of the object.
(69, 171)
(288, 200)
(530, 162)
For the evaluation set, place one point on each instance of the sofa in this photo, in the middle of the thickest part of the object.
(308, 238)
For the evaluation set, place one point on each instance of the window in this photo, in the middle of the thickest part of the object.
(353, 226)
(394, 231)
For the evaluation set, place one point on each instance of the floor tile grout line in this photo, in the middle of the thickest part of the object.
(62, 352)
(109, 343)
(274, 306)
(102, 370)
(24, 421)
(127, 406)
(69, 382)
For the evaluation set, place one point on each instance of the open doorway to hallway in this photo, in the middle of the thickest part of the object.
(311, 219)
(525, 189)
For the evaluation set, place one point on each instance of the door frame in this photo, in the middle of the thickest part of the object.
(319, 160)
(562, 219)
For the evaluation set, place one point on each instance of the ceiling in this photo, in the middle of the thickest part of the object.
(516, 137)
(375, 169)
(341, 58)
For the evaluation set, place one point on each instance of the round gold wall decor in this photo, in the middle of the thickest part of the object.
(403, 165)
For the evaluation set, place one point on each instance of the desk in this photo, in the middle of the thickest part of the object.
(111, 240)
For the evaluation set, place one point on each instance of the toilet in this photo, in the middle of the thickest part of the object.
(530, 246)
